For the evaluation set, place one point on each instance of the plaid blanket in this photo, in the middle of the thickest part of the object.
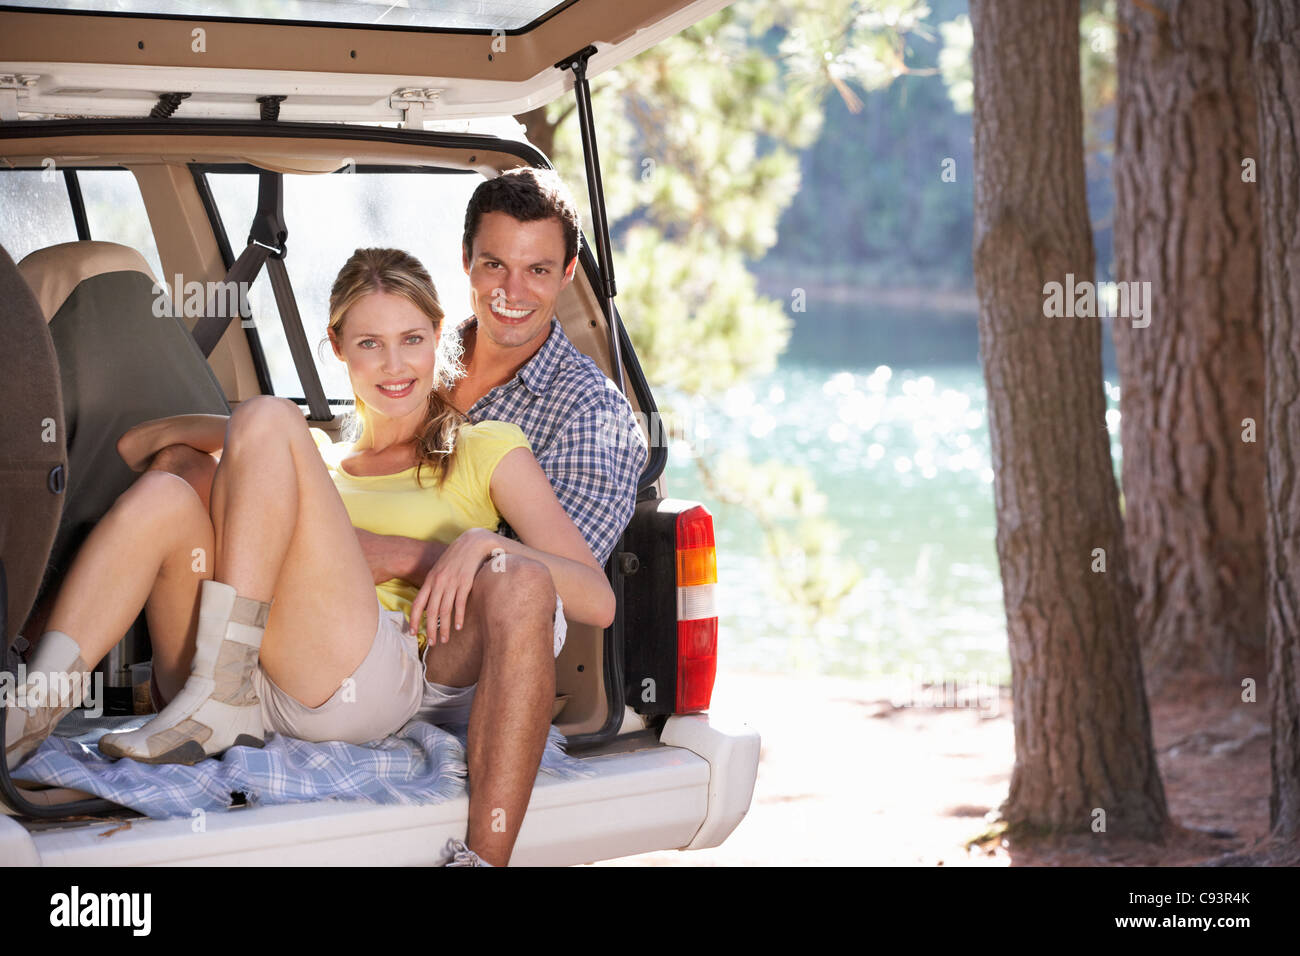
(421, 763)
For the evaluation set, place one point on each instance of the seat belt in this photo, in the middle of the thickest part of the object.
(267, 246)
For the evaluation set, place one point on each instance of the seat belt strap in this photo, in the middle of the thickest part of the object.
(210, 328)
(268, 245)
(318, 407)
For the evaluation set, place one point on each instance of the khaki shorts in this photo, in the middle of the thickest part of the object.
(380, 696)
(387, 690)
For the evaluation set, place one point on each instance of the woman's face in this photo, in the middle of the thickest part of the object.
(390, 348)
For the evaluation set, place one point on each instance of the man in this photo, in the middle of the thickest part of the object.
(520, 249)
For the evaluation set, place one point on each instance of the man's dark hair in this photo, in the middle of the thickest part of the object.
(529, 195)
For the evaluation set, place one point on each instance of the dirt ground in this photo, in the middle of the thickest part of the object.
(848, 777)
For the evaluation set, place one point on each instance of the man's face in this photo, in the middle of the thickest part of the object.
(516, 272)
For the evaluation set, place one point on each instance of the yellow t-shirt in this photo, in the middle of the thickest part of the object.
(395, 504)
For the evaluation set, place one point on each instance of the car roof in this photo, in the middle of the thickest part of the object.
(351, 61)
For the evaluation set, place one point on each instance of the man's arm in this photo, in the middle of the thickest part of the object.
(393, 556)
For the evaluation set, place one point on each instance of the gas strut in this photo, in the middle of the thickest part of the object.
(577, 62)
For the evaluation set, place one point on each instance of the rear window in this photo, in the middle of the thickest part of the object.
(478, 15)
(35, 211)
(115, 212)
(328, 218)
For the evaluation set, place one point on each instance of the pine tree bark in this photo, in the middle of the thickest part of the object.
(1083, 732)
(1277, 84)
(1187, 223)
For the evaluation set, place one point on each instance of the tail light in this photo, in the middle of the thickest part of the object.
(697, 613)
(671, 618)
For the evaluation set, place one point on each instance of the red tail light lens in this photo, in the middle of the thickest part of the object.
(697, 616)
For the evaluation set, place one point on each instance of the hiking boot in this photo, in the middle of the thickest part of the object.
(50, 688)
(217, 708)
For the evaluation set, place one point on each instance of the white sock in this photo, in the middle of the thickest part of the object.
(58, 659)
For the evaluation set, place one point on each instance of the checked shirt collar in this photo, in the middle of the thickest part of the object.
(537, 373)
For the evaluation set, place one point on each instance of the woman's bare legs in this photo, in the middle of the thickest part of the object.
(156, 545)
(282, 534)
(151, 549)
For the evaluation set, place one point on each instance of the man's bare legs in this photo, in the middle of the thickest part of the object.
(507, 646)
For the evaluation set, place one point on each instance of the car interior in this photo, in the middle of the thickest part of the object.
(184, 199)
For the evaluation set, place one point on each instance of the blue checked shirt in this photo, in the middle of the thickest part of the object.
(582, 432)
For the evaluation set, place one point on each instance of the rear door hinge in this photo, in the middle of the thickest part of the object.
(413, 102)
(10, 85)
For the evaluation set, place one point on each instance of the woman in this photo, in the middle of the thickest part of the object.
(293, 635)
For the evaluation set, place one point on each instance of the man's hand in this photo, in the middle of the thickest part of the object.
(393, 556)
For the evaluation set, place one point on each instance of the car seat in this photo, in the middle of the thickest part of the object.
(33, 460)
(121, 358)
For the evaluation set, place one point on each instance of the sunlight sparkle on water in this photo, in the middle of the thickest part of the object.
(903, 459)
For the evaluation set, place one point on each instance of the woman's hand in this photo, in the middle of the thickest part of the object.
(133, 449)
(446, 588)
(138, 444)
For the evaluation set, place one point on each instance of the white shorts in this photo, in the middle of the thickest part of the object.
(441, 704)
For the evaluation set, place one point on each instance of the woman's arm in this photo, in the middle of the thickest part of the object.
(206, 433)
(524, 497)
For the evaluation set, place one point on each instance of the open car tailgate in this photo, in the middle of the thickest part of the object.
(653, 798)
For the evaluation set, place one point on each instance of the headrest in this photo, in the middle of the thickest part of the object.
(55, 271)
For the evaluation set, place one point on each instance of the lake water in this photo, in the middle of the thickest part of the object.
(888, 414)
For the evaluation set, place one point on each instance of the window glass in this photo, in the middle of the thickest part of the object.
(115, 213)
(328, 218)
(236, 199)
(35, 211)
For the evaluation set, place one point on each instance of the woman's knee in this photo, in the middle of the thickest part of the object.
(260, 414)
(160, 496)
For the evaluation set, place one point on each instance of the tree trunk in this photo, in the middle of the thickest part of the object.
(1187, 223)
(1277, 79)
(1083, 733)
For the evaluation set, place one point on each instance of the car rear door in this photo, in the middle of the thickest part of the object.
(356, 61)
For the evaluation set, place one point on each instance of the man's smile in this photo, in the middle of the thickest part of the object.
(512, 316)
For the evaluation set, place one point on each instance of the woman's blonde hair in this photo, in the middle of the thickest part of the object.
(396, 272)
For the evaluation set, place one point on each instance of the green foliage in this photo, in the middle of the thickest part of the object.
(873, 208)
(1097, 48)
(699, 139)
(709, 329)
(955, 62)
